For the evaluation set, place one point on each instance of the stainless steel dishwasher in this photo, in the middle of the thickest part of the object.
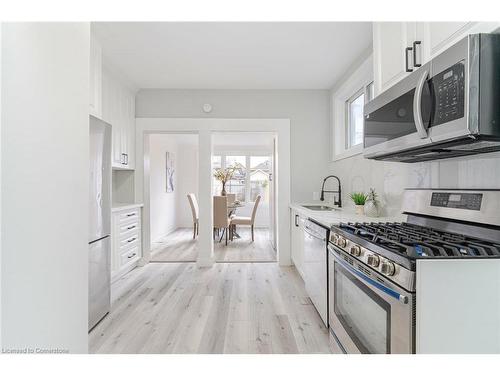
(316, 266)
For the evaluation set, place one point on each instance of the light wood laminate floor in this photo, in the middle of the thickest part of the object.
(179, 246)
(228, 308)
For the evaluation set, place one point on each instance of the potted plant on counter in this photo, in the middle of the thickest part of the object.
(359, 200)
(372, 204)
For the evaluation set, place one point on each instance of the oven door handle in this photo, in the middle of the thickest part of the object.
(379, 286)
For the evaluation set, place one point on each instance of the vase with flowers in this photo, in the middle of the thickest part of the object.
(372, 205)
(224, 175)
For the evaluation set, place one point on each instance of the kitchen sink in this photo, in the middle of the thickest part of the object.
(319, 208)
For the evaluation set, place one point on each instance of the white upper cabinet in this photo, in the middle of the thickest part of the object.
(393, 52)
(113, 101)
(441, 35)
(401, 47)
(438, 35)
(118, 109)
(95, 77)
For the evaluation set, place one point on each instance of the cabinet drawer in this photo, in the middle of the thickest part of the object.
(129, 256)
(127, 217)
(129, 230)
(126, 243)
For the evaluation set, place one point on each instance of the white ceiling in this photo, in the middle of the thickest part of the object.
(224, 55)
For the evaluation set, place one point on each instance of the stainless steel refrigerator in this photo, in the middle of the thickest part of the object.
(99, 221)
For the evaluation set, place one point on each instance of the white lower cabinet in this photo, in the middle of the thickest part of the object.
(297, 241)
(126, 241)
(458, 306)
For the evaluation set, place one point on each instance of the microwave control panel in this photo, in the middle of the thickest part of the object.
(449, 90)
(465, 201)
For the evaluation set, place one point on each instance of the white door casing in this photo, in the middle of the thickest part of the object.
(204, 128)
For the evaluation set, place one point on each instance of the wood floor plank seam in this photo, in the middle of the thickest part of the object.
(242, 307)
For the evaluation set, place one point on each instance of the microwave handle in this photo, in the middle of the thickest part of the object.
(417, 106)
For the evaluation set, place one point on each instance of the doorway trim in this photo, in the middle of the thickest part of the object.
(204, 127)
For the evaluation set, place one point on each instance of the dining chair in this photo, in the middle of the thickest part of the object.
(221, 220)
(194, 211)
(231, 198)
(244, 220)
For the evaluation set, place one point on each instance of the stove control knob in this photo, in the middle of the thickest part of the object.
(388, 268)
(355, 251)
(373, 260)
(342, 242)
(334, 238)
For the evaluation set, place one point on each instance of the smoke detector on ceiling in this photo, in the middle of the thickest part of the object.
(207, 108)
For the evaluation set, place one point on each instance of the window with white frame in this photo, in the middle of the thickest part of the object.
(348, 101)
(355, 119)
(250, 179)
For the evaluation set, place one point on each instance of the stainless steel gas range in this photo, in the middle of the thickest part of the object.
(372, 266)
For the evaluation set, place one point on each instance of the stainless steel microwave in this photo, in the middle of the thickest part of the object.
(449, 107)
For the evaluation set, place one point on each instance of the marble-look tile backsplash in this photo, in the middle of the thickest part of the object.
(390, 178)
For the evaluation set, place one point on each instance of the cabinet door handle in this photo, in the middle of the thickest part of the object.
(128, 215)
(126, 159)
(407, 58)
(131, 255)
(132, 239)
(415, 44)
(296, 220)
(123, 159)
(131, 227)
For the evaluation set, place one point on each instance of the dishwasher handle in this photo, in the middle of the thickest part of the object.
(308, 231)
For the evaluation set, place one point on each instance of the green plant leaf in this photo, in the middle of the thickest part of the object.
(359, 198)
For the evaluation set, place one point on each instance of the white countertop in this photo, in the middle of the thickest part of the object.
(329, 218)
(125, 206)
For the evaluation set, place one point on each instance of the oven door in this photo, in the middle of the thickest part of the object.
(368, 313)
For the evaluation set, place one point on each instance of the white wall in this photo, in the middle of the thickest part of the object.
(163, 204)
(45, 140)
(0, 185)
(390, 179)
(187, 182)
(308, 111)
(170, 211)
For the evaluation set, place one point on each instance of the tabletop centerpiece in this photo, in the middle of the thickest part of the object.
(224, 175)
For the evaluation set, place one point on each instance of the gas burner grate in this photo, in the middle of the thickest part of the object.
(414, 241)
